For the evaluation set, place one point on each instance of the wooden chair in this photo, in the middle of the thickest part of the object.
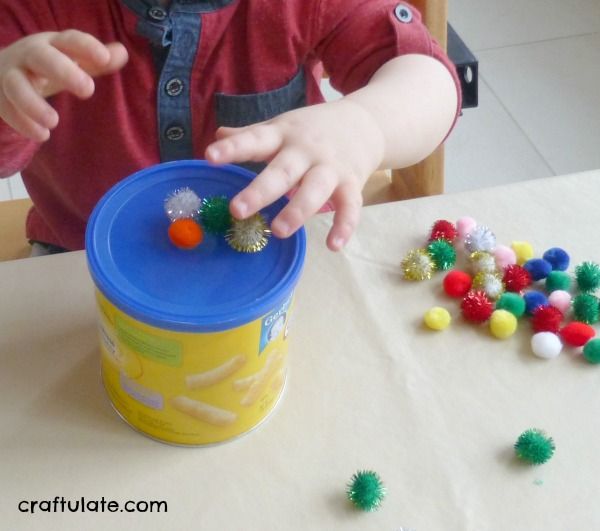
(13, 243)
(426, 177)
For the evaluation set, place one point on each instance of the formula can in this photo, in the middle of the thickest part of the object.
(193, 342)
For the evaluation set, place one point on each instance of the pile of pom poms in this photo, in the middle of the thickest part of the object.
(502, 285)
(191, 217)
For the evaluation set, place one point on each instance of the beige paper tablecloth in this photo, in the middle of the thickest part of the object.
(435, 414)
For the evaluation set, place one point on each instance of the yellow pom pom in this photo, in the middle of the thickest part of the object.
(523, 250)
(503, 324)
(437, 318)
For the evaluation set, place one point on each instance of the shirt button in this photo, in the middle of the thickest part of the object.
(175, 133)
(403, 13)
(174, 87)
(157, 13)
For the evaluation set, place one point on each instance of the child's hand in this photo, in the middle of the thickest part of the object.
(327, 151)
(40, 65)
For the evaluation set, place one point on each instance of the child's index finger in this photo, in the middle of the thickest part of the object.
(81, 47)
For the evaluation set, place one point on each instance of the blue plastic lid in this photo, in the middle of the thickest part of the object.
(207, 289)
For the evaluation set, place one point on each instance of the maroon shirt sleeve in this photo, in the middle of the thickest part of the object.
(356, 37)
(19, 18)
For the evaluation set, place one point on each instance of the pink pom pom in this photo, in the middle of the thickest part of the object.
(560, 299)
(505, 256)
(464, 226)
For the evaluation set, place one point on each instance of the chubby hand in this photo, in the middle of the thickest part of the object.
(325, 151)
(43, 64)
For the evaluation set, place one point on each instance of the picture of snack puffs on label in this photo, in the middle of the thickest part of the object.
(273, 324)
(217, 374)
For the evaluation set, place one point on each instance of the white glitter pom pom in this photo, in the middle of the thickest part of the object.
(480, 239)
(182, 203)
(482, 261)
(546, 345)
(490, 283)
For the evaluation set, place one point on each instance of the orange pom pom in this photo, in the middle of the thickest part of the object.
(185, 233)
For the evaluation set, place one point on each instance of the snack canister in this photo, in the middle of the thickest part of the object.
(193, 342)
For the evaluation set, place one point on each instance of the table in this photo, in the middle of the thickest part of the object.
(434, 413)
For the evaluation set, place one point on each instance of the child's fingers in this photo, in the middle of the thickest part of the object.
(118, 58)
(81, 47)
(348, 202)
(19, 92)
(255, 143)
(224, 132)
(314, 191)
(62, 72)
(280, 176)
(21, 123)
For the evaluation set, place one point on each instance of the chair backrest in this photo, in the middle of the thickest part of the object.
(13, 243)
(427, 177)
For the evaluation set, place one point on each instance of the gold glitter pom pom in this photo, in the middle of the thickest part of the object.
(417, 265)
(248, 235)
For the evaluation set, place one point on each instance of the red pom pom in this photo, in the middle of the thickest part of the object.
(476, 307)
(577, 334)
(457, 283)
(443, 230)
(516, 278)
(546, 319)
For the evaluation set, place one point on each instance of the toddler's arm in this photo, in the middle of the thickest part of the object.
(329, 150)
(40, 65)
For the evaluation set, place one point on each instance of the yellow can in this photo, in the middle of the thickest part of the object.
(193, 342)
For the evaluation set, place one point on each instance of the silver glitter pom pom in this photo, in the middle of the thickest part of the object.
(480, 239)
(182, 203)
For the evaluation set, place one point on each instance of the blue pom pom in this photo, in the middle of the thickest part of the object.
(558, 258)
(538, 268)
(533, 299)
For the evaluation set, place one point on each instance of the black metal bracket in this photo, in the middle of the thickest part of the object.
(466, 67)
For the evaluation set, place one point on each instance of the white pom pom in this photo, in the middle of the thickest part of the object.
(182, 203)
(546, 345)
(480, 239)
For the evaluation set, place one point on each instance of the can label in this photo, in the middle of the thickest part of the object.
(193, 388)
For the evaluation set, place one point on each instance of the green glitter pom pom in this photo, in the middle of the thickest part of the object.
(591, 351)
(558, 280)
(442, 253)
(534, 446)
(586, 308)
(214, 215)
(511, 302)
(365, 490)
(588, 276)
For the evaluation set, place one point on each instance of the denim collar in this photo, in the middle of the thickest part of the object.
(141, 7)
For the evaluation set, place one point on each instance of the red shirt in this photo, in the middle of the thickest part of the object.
(224, 62)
